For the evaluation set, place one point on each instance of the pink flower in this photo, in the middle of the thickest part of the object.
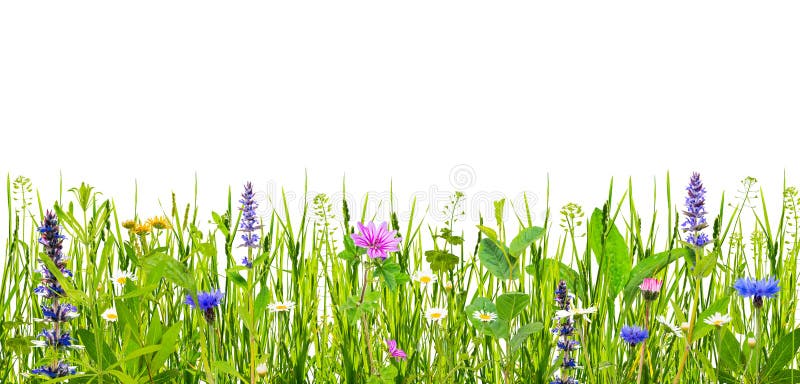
(395, 352)
(650, 288)
(377, 241)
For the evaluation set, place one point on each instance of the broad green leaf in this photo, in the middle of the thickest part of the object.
(509, 305)
(524, 239)
(160, 265)
(392, 274)
(730, 351)
(490, 233)
(441, 261)
(615, 253)
(782, 353)
(705, 265)
(649, 267)
(170, 343)
(497, 261)
(523, 333)
(785, 376)
(499, 328)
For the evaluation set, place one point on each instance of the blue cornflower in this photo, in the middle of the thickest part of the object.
(757, 289)
(633, 334)
(206, 301)
(60, 370)
(695, 212)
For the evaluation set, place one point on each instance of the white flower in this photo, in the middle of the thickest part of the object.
(435, 314)
(281, 306)
(261, 370)
(676, 330)
(110, 314)
(424, 277)
(120, 278)
(560, 314)
(718, 319)
(484, 316)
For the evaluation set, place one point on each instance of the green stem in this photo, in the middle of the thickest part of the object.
(692, 318)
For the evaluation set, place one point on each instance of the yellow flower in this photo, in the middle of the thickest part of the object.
(159, 222)
(128, 224)
(142, 229)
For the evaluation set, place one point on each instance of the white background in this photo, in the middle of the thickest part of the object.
(111, 92)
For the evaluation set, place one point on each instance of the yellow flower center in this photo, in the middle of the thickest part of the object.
(425, 279)
(122, 280)
(281, 307)
(718, 322)
(111, 316)
(436, 315)
(485, 316)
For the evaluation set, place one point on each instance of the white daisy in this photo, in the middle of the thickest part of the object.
(484, 316)
(718, 319)
(435, 314)
(424, 277)
(110, 314)
(120, 278)
(281, 306)
(676, 330)
(560, 314)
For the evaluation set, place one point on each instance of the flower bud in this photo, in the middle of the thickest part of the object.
(751, 342)
(261, 370)
(685, 326)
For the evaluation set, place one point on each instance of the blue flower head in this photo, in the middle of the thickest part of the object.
(249, 222)
(59, 313)
(60, 370)
(633, 334)
(757, 289)
(206, 301)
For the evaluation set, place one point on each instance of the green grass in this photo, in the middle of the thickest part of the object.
(336, 332)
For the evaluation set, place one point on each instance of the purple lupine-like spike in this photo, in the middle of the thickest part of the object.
(50, 288)
(249, 222)
(565, 329)
(695, 212)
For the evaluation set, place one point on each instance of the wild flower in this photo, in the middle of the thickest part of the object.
(121, 278)
(159, 222)
(650, 288)
(110, 315)
(718, 319)
(54, 312)
(249, 223)
(674, 329)
(378, 241)
(695, 212)
(142, 229)
(485, 316)
(129, 224)
(206, 302)
(435, 314)
(261, 370)
(757, 289)
(633, 334)
(281, 306)
(562, 313)
(424, 278)
(565, 330)
(395, 352)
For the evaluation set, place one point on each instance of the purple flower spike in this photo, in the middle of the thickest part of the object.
(377, 241)
(695, 212)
